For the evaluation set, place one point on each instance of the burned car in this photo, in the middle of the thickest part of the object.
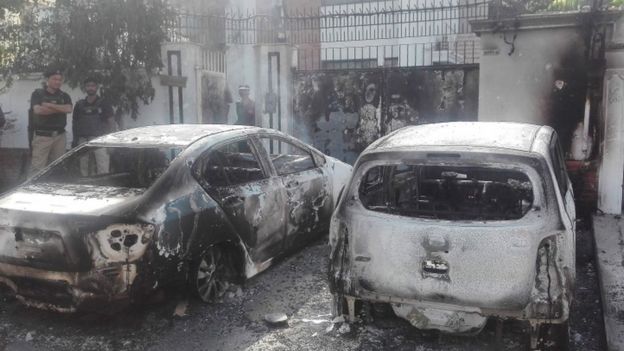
(453, 223)
(127, 213)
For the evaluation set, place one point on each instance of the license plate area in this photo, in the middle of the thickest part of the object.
(435, 266)
(41, 246)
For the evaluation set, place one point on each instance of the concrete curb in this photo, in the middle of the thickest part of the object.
(608, 233)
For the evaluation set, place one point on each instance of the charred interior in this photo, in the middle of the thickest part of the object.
(128, 167)
(447, 192)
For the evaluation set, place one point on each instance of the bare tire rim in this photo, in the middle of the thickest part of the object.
(210, 280)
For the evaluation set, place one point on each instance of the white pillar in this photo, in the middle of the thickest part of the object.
(276, 59)
(191, 61)
(611, 171)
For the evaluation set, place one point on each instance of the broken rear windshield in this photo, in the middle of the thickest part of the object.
(447, 192)
(128, 167)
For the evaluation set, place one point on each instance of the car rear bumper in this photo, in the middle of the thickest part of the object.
(453, 310)
(100, 290)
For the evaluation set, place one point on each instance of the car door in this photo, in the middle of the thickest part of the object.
(308, 204)
(564, 184)
(252, 200)
(567, 194)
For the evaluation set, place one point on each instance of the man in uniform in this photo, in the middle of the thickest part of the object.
(50, 107)
(245, 108)
(92, 117)
(2, 119)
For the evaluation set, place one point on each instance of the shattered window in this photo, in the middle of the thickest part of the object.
(234, 163)
(447, 192)
(128, 167)
(287, 158)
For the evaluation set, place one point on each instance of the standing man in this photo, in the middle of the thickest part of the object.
(245, 108)
(92, 117)
(2, 119)
(50, 107)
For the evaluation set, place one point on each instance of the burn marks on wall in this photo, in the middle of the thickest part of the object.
(342, 112)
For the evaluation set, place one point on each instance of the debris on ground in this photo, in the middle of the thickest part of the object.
(277, 318)
(29, 336)
(181, 307)
(302, 295)
(344, 328)
(339, 319)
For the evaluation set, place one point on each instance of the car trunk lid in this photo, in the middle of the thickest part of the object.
(462, 231)
(482, 266)
(41, 225)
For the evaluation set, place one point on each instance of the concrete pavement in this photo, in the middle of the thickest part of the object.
(608, 233)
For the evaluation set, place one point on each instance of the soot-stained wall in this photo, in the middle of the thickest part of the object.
(538, 77)
(342, 112)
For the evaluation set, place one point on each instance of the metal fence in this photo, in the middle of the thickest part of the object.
(358, 21)
(213, 60)
(462, 50)
(361, 35)
(374, 20)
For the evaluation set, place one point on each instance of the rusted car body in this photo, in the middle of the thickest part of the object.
(453, 223)
(166, 205)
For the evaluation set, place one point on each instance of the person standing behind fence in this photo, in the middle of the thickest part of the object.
(50, 107)
(92, 117)
(245, 108)
(2, 119)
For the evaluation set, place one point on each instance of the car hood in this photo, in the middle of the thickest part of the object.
(70, 199)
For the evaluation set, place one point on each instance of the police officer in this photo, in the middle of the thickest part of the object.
(50, 107)
(92, 117)
(245, 108)
(2, 119)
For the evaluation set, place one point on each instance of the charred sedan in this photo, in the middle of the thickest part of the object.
(139, 209)
(453, 223)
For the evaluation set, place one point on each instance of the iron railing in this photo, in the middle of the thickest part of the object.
(462, 50)
(213, 60)
(359, 21)
(361, 35)
(372, 20)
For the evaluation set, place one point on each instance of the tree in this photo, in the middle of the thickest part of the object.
(533, 6)
(10, 6)
(117, 40)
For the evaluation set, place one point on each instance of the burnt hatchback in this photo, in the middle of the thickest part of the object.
(454, 223)
(133, 211)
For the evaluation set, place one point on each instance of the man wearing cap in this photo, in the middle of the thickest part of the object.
(50, 107)
(245, 108)
(92, 117)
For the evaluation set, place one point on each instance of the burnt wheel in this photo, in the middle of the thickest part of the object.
(551, 337)
(555, 337)
(211, 275)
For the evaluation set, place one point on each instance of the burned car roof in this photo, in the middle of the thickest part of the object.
(506, 135)
(175, 135)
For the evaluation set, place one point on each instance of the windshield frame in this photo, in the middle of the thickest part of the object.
(41, 177)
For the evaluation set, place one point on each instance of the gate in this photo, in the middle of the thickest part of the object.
(342, 111)
(359, 69)
(376, 67)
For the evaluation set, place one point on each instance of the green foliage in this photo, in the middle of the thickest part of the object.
(117, 40)
(535, 6)
(10, 6)
(524, 6)
(616, 3)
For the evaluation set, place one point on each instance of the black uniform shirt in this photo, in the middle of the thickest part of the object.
(90, 119)
(56, 121)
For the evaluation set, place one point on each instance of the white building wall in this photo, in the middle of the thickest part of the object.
(406, 37)
(17, 101)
